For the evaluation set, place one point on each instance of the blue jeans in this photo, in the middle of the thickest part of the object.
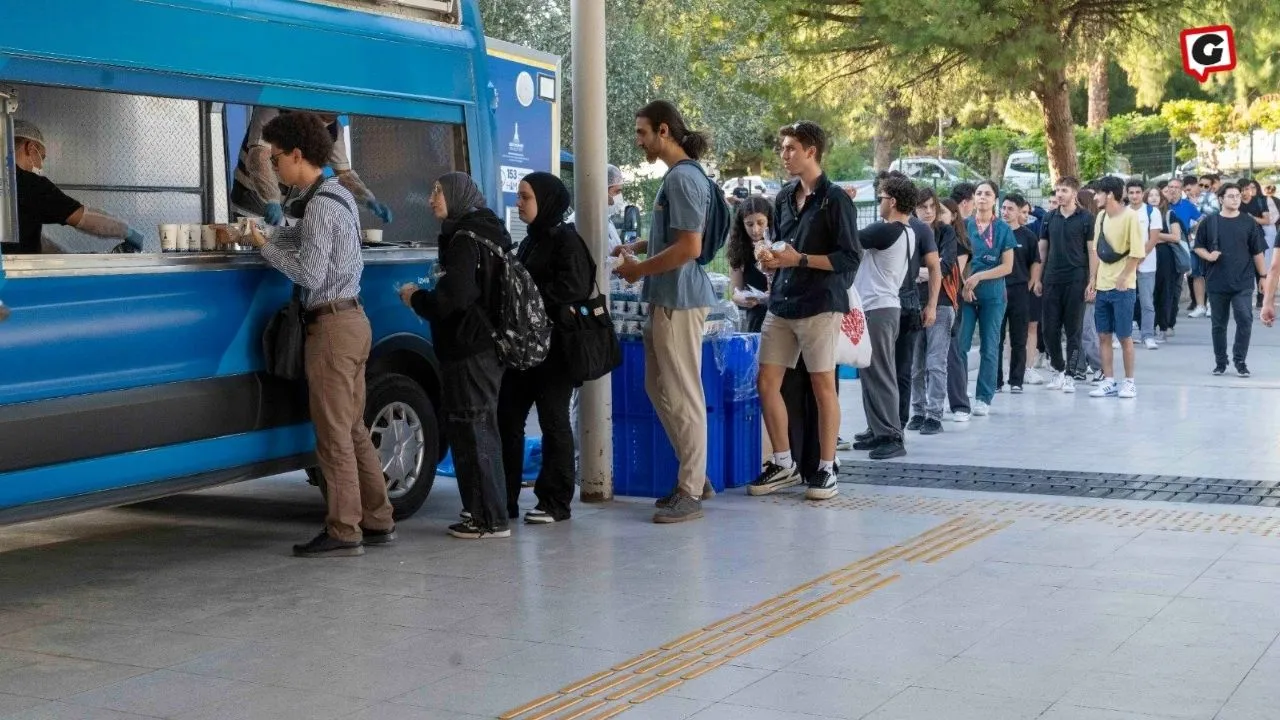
(987, 316)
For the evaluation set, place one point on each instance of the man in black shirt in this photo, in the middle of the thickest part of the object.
(41, 203)
(1017, 314)
(1066, 249)
(1231, 244)
(817, 225)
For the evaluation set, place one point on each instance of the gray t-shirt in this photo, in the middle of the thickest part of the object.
(681, 205)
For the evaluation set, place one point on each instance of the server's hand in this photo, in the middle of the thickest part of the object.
(382, 212)
(273, 214)
(134, 239)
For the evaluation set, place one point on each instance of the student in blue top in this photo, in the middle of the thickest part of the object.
(984, 290)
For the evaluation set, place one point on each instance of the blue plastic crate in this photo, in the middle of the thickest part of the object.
(532, 461)
(735, 381)
(743, 442)
(644, 464)
(736, 358)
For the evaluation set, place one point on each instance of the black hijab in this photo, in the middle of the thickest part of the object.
(461, 196)
(553, 201)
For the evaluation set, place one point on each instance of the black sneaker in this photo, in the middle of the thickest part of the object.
(666, 500)
(891, 448)
(469, 530)
(931, 427)
(773, 478)
(915, 423)
(1242, 370)
(822, 486)
(1015, 389)
(864, 435)
(379, 537)
(682, 509)
(324, 546)
(869, 444)
(1220, 370)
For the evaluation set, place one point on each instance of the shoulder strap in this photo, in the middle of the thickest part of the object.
(587, 250)
(486, 243)
(334, 196)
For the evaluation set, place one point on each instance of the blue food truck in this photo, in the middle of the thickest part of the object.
(127, 376)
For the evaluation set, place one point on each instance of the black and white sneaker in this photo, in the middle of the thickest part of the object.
(469, 530)
(538, 516)
(773, 478)
(1220, 370)
(464, 515)
(822, 486)
(1242, 370)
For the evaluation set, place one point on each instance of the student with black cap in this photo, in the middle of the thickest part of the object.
(557, 259)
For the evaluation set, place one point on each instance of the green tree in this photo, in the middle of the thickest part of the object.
(1022, 46)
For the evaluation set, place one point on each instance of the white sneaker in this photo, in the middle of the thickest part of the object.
(1069, 385)
(1115, 343)
(1055, 383)
(1151, 344)
(1033, 378)
(981, 409)
(1106, 389)
(960, 417)
(1128, 390)
(1198, 312)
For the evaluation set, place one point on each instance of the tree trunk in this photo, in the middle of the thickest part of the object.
(1099, 92)
(999, 156)
(1059, 129)
(890, 130)
(882, 153)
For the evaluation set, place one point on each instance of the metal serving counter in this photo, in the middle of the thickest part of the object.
(20, 266)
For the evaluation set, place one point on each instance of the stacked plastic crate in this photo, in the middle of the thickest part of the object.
(644, 463)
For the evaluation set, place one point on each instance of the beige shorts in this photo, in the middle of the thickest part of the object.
(783, 342)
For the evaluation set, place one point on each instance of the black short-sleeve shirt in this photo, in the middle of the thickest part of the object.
(40, 203)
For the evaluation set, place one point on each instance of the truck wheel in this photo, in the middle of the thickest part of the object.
(402, 423)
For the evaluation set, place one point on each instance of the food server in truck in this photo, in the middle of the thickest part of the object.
(41, 202)
(258, 192)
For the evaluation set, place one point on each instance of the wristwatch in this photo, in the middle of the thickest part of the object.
(804, 261)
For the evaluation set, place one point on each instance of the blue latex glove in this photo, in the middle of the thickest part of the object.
(381, 211)
(135, 239)
(274, 214)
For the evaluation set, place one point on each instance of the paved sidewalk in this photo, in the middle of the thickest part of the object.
(1184, 421)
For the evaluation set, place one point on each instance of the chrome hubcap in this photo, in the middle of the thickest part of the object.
(397, 434)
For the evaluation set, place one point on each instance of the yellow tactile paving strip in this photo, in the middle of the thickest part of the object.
(1261, 524)
(612, 692)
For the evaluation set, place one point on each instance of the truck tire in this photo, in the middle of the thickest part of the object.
(406, 434)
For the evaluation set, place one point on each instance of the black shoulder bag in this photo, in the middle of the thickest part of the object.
(284, 340)
(584, 334)
(1106, 253)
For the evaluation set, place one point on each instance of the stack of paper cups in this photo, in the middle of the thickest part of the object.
(169, 237)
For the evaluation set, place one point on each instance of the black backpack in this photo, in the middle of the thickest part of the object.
(716, 229)
(521, 330)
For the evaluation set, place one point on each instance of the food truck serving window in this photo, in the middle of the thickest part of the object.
(149, 161)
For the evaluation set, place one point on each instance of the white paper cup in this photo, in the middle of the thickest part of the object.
(373, 235)
(644, 309)
(619, 308)
(169, 237)
(209, 237)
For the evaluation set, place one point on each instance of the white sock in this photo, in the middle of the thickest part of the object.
(828, 465)
(1129, 379)
(1111, 380)
(783, 459)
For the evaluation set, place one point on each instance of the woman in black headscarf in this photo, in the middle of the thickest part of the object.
(461, 309)
(559, 263)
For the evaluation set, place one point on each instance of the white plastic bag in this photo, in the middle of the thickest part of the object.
(853, 347)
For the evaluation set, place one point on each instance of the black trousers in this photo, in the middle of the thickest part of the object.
(1064, 312)
(1017, 323)
(551, 392)
(1168, 288)
(803, 429)
(470, 396)
(957, 374)
(904, 359)
(1241, 305)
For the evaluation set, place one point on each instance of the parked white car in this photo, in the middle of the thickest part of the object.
(939, 172)
(1028, 170)
(754, 184)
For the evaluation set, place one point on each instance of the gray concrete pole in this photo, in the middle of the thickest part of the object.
(590, 155)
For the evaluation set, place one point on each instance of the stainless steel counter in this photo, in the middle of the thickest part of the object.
(26, 266)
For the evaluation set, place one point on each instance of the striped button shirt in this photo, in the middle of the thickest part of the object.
(322, 252)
